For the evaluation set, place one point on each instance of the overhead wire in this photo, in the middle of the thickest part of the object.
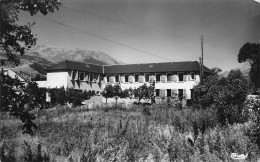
(90, 13)
(194, 36)
(110, 40)
(151, 24)
(103, 38)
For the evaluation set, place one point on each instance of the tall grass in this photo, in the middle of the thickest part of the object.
(157, 133)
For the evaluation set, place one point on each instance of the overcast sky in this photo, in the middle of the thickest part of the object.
(132, 31)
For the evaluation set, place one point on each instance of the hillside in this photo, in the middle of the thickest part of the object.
(245, 68)
(56, 55)
(36, 60)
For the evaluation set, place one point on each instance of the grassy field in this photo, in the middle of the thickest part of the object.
(153, 134)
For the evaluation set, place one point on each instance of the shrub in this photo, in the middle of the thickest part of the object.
(255, 117)
(61, 96)
(227, 95)
(202, 120)
(19, 99)
(58, 96)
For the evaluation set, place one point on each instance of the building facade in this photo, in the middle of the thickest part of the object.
(171, 78)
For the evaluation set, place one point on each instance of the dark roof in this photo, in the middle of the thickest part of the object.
(155, 67)
(130, 68)
(71, 65)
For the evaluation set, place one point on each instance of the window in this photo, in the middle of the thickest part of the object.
(81, 76)
(117, 78)
(90, 77)
(146, 77)
(126, 77)
(180, 94)
(191, 93)
(157, 92)
(162, 92)
(157, 77)
(168, 76)
(73, 74)
(169, 92)
(180, 77)
(174, 93)
(192, 75)
(107, 78)
(136, 78)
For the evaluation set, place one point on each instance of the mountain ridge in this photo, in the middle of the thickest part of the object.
(36, 60)
(245, 68)
(56, 54)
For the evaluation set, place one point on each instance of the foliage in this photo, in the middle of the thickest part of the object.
(250, 52)
(113, 92)
(39, 77)
(108, 91)
(216, 70)
(126, 93)
(144, 92)
(15, 38)
(19, 99)
(58, 96)
(117, 90)
(254, 105)
(63, 96)
(80, 135)
(227, 95)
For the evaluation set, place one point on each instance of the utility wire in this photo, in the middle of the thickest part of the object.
(106, 39)
(127, 23)
(194, 35)
(99, 16)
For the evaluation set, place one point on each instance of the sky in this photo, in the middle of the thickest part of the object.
(144, 31)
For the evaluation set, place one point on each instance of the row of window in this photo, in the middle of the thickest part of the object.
(76, 75)
(180, 93)
(148, 78)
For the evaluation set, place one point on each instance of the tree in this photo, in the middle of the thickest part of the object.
(112, 91)
(19, 99)
(14, 38)
(216, 70)
(108, 92)
(227, 95)
(117, 91)
(63, 96)
(237, 74)
(144, 92)
(250, 52)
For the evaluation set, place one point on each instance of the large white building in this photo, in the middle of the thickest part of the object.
(171, 78)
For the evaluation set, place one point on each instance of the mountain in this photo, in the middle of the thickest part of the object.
(36, 60)
(245, 68)
(56, 55)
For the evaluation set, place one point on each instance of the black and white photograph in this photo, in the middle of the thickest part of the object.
(129, 80)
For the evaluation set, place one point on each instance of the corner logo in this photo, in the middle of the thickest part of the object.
(238, 157)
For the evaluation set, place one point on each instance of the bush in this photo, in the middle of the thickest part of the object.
(62, 96)
(254, 105)
(227, 95)
(20, 99)
(129, 136)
